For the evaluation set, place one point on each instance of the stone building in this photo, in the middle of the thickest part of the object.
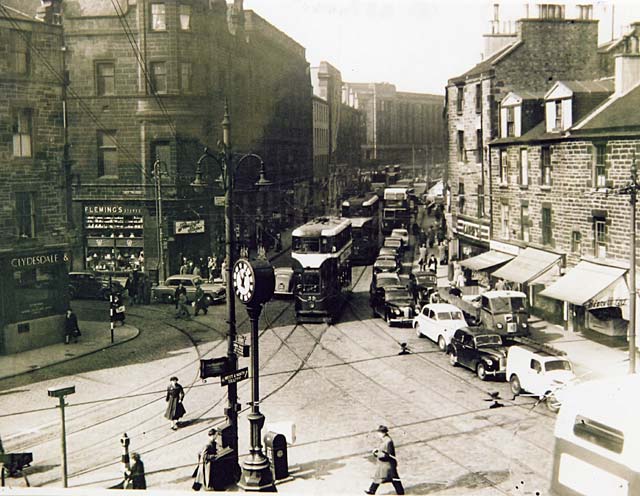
(542, 50)
(321, 146)
(34, 246)
(401, 127)
(557, 208)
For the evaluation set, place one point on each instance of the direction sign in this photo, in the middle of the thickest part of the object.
(218, 201)
(233, 377)
(241, 349)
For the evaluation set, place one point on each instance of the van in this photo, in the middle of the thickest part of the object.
(539, 370)
(597, 439)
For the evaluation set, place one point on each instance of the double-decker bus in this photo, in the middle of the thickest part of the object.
(321, 251)
(364, 212)
(397, 209)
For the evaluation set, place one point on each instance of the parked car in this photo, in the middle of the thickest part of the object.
(394, 304)
(401, 233)
(284, 281)
(423, 284)
(438, 322)
(214, 292)
(391, 242)
(389, 251)
(479, 350)
(383, 280)
(87, 284)
(386, 263)
(539, 370)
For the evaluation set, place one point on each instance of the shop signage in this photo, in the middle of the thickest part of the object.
(40, 260)
(189, 226)
(233, 377)
(473, 230)
(608, 303)
(112, 209)
(504, 247)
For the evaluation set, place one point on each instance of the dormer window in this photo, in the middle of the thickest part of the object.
(511, 121)
(558, 121)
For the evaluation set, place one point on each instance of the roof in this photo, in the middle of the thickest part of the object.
(94, 8)
(321, 226)
(486, 64)
(528, 265)
(615, 115)
(590, 86)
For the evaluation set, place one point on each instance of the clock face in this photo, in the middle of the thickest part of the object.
(244, 280)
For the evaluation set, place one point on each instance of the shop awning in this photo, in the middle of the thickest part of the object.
(587, 281)
(530, 264)
(486, 260)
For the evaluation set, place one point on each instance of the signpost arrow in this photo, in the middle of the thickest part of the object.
(233, 377)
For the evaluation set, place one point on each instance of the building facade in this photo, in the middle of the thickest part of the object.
(35, 246)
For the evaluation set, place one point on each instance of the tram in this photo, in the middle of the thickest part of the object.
(321, 251)
(397, 209)
(364, 212)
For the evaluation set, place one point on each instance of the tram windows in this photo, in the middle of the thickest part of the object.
(306, 245)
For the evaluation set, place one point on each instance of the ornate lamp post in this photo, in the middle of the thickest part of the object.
(224, 159)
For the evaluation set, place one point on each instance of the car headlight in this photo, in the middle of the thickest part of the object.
(500, 326)
(488, 360)
(396, 311)
(524, 325)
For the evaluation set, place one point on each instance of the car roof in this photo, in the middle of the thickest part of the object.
(393, 238)
(542, 354)
(443, 307)
(387, 275)
(399, 229)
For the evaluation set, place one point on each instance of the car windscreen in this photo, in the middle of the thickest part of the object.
(557, 365)
(488, 340)
(392, 242)
(425, 280)
(450, 315)
(508, 304)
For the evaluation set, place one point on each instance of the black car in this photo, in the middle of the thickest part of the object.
(394, 304)
(479, 350)
(86, 284)
(423, 284)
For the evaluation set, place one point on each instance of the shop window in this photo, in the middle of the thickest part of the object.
(524, 167)
(25, 214)
(158, 77)
(503, 167)
(599, 167)
(600, 237)
(19, 58)
(504, 220)
(185, 17)
(460, 99)
(524, 223)
(158, 17)
(478, 98)
(186, 77)
(22, 133)
(107, 154)
(461, 150)
(105, 78)
(37, 292)
(545, 166)
(576, 242)
(547, 228)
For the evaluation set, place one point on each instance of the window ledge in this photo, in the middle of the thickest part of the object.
(601, 189)
(545, 187)
(503, 185)
(524, 186)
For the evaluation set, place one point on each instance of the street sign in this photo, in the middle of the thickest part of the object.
(233, 377)
(218, 201)
(241, 349)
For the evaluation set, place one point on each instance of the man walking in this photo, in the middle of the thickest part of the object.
(71, 329)
(387, 463)
(200, 300)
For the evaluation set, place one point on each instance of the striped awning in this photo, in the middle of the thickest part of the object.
(487, 260)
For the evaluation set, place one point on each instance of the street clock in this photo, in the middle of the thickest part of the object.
(253, 281)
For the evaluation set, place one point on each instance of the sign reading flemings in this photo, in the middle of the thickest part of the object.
(233, 377)
(189, 226)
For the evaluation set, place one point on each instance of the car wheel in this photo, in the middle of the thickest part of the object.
(167, 298)
(516, 387)
(441, 343)
(481, 371)
(453, 358)
(552, 402)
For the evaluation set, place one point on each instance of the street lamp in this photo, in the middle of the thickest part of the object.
(60, 393)
(224, 159)
(157, 176)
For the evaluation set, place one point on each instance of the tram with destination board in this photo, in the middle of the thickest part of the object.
(364, 212)
(396, 209)
(320, 252)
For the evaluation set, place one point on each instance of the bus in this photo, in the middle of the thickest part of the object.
(320, 252)
(364, 212)
(397, 209)
(597, 439)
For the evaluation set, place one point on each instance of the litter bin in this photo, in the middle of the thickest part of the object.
(276, 447)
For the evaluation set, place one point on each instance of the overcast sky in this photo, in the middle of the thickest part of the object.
(415, 44)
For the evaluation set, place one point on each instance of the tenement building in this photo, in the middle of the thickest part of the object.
(34, 247)
(561, 222)
(541, 51)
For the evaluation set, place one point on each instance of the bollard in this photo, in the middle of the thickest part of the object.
(125, 441)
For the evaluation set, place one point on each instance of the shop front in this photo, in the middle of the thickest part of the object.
(594, 296)
(481, 266)
(33, 299)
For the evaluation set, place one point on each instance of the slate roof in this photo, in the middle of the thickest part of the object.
(485, 65)
(621, 113)
(597, 86)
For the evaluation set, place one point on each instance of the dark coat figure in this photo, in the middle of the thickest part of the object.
(432, 263)
(183, 309)
(117, 309)
(386, 463)
(431, 237)
(132, 288)
(175, 409)
(200, 301)
(176, 293)
(71, 329)
(203, 472)
(134, 477)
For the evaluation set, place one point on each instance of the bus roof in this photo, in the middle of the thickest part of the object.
(322, 226)
(358, 222)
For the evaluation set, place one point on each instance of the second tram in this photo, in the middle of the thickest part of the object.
(397, 209)
(321, 251)
(364, 212)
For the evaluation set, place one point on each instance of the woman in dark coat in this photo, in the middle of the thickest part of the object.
(386, 463)
(71, 329)
(205, 459)
(175, 409)
(134, 477)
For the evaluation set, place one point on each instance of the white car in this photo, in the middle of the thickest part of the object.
(403, 234)
(438, 322)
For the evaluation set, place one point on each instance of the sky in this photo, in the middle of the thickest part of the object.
(415, 44)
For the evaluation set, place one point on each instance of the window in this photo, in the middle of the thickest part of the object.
(480, 211)
(158, 17)
(161, 150)
(600, 237)
(503, 167)
(478, 98)
(19, 56)
(524, 167)
(22, 133)
(558, 124)
(186, 76)
(461, 150)
(599, 168)
(25, 215)
(460, 99)
(479, 149)
(599, 434)
(158, 77)
(524, 223)
(105, 78)
(545, 166)
(511, 121)
(185, 17)
(576, 242)
(547, 228)
(504, 220)
(107, 154)
(461, 197)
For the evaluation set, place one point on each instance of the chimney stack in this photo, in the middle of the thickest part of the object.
(627, 70)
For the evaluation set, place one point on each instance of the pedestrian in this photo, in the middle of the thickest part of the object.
(176, 293)
(131, 287)
(278, 242)
(71, 329)
(223, 274)
(431, 236)
(117, 308)
(196, 270)
(175, 409)
(184, 268)
(387, 463)
(134, 477)
(500, 285)
(212, 265)
(142, 288)
(432, 263)
(183, 309)
(204, 470)
(200, 300)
